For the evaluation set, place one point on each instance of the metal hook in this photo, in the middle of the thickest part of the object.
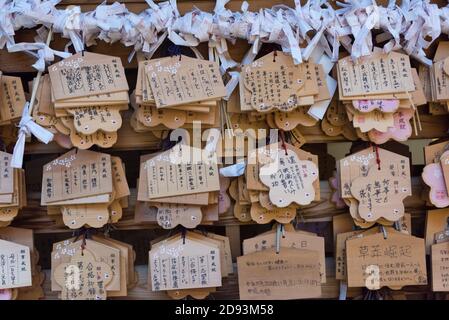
(397, 226)
(275, 54)
(384, 231)
(183, 235)
(279, 231)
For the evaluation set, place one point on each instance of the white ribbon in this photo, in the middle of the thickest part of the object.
(413, 26)
(28, 127)
(236, 170)
(43, 53)
(343, 290)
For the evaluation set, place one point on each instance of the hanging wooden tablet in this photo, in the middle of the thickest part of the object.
(289, 239)
(289, 274)
(197, 265)
(384, 105)
(440, 267)
(76, 174)
(180, 80)
(171, 215)
(94, 215)
(12, 99)
(89, 120)
(379, 73)
(173, 173)
(395, 261)
(87, 74)
(15, 265)
(433, 176)
(64, 251)
(359, 164)
(289, 179)
(400, 131)
(262, 215)
(380, 194)
(83, 278)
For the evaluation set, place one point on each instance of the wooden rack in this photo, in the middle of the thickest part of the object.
(317, 216)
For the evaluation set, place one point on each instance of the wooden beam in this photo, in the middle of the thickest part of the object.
(35, 217)
(128, 139)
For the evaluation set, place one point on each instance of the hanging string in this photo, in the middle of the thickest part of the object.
(296, 137)
(282, 137)
(183, 235)
(174, 50)
(83, 244)
(107, 229)
(82, 233)
(376, 150)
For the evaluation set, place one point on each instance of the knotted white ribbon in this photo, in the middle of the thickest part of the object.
(413, 26)
(68, 23)
(43, 53)
(28, 127)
